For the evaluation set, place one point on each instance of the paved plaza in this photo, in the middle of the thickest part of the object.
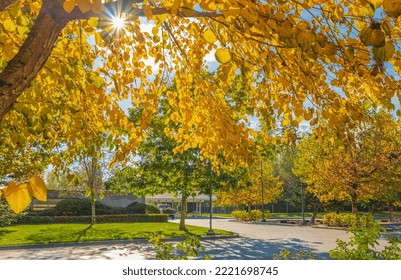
(257, 241)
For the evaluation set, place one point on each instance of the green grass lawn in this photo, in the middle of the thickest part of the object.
(56, 233)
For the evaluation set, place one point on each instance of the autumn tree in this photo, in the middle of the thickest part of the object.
(295, 190)
(290, 52)
(248, 191)
(350, 170)
(64, 62)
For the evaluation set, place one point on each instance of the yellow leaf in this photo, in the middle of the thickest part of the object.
(9, 25)
(222, 55)
(69, 5)
(376, 3)
(18, 197)
(38, 188)
(209, 36)
(97, 6)
(93, 22)
(84, 5)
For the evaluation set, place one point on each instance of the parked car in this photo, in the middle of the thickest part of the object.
(168, 210)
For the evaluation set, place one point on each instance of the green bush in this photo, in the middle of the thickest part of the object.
(361, 246)
(135, 218)
(152, 209)
(7, 216)
(79, 207)
(136, 208)
(117, 211)
(340, 219)
(267, 214)
(255, 215)
(141, 208)
(240, 215)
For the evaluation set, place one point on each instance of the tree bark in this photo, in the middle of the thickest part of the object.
(314, 214)
(183, 212)
(391, 212)
(33, 54)
(4, 4)
(93, 208)
(354, 205)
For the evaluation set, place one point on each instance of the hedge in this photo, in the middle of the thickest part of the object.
(134, 218)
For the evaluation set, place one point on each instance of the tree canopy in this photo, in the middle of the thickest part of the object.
(66, 60)
(65, 66)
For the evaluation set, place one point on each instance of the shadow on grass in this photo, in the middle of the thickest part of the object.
(4, 232)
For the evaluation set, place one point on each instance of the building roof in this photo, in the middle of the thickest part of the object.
(167, 197)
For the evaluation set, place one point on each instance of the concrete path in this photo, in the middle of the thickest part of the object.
(262, 241)
(258, 242)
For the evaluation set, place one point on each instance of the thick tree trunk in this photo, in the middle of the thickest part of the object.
(21, 71)
(33, 54)
(183, 212)
(314, 214)
(391, 212)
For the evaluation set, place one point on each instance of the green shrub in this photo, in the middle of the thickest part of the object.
(240, 215)
(141, 208)
(79, 207)
(136, 208)
(361, 246)
(267, 214)
(328, 219)
(255, 215)
(135, 218)
(7, 216)
(152, 209)
(47, 212)
(340, 219)
(117, 211)
(186, 249)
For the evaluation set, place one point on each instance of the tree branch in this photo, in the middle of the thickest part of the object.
(33, 54)
(4, 4)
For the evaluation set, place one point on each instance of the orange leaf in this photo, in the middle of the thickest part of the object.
(69, 5)
(97, 6)
(84, 5)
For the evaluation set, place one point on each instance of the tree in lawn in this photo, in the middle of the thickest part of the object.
(294, 191)
(384, 137)
(350, 170)
(248, 190)
(159, 169)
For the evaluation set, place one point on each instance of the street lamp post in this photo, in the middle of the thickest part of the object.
(263, 192)
(302, 204)
(210, 231)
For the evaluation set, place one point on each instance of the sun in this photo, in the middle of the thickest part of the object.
(118, 22)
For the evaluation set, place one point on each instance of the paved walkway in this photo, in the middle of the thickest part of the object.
(258, 241)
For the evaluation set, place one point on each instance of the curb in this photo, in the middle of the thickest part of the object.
(108, 242)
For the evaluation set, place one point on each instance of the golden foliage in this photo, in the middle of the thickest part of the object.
(298, 60)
